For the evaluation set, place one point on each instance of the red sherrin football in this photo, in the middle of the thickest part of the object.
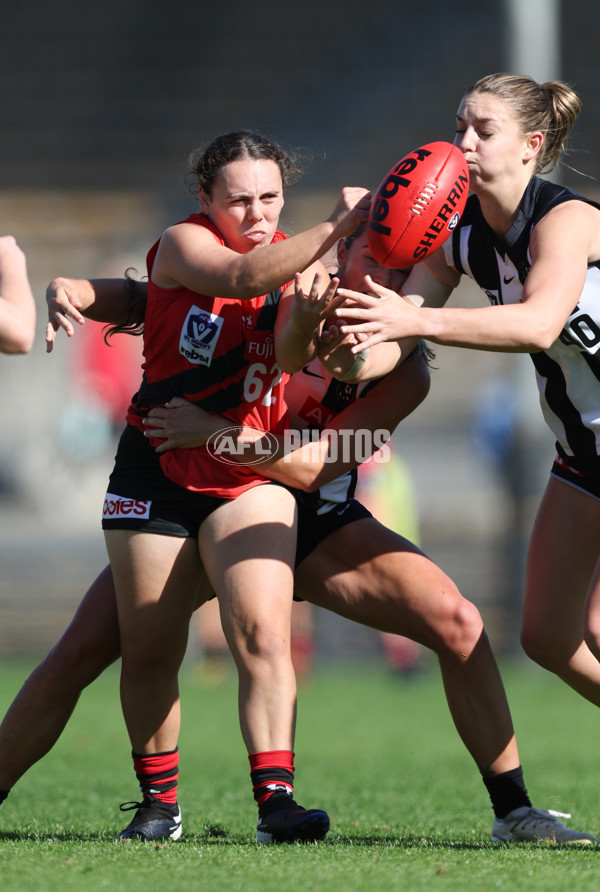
(418, 204)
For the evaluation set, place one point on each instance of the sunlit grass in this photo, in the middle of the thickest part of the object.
(408, 808)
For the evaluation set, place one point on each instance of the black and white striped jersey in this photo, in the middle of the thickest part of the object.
(568, 373)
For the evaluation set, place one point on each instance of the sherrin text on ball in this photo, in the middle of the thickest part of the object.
(418, 204)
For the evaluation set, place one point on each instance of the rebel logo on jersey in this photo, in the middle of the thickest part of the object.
(199, 335)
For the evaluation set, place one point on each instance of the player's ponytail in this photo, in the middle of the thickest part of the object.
(564, 107)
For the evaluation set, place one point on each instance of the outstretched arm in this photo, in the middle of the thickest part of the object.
(561, 246)
(339, 449)
(189, 255)
(113, 301)
(17, 306)
(381, 314)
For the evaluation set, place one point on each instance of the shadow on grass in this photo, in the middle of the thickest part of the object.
(215, 835)
(58, 836)
(209, 834)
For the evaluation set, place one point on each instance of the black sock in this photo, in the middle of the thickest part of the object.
(3, 795)
(507, 791)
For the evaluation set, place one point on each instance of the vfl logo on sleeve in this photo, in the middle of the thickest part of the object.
(199, 336)
(118, 508)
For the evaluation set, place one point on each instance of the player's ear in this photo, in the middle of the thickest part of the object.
(204, 200)
(342, 253)
(533, 144)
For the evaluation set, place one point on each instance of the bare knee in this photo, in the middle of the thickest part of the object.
(261, 649)
(148, 664)
(268, 644)
(592, 639)
(76, 660)
(459, 627)
(58, 673)
(547, 650)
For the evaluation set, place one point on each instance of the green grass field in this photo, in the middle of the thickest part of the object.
(408, 808)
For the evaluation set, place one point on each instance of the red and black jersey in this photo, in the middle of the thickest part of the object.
(220, 354)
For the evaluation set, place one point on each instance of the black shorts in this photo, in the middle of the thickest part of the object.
(583, 474)
(140, 497)
(313, 527)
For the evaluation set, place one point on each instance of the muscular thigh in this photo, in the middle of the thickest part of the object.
(563, 552)
(371, 575)
(248, 547)
(157, 580)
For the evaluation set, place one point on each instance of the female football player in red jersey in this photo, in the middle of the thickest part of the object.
(357, 568)
(219, 289)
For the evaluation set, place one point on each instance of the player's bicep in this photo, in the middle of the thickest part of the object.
(559, 248)
(190, 256)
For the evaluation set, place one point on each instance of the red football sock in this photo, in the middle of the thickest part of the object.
(272, 774)
(158, 774)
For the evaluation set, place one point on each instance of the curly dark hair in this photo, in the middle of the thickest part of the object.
(205, 163)
(204, 166)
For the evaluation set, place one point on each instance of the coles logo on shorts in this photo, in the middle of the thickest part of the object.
(199, 335)
(119, 508)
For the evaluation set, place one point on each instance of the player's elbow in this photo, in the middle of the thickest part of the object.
(288, 364)
(541, 339)
(289, 357)
(301, 476)
(309, 486)
(18, 343)
(245, 282)
(305, 482)
(542, 332)
(27, 340)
